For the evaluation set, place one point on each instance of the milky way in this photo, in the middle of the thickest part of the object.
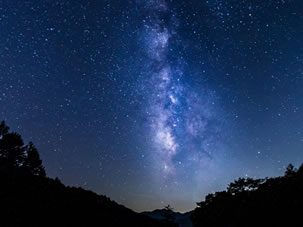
(153, 102)
(179, 116)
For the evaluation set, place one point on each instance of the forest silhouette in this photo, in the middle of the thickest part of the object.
(255, 202)
(29, 198)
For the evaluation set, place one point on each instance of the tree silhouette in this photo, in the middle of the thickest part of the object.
(12, 149)
(33, 162)
(249, 202)
(290, 171)
(15, 155)
(300, 170)
(243, 184)
(3, 129)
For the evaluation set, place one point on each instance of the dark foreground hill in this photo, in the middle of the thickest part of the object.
(250, 203)
(40, 201)
(29, 198)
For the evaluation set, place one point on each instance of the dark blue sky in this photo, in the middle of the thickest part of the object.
(155, 102)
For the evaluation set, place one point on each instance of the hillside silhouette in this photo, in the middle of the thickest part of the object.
(29, 198)
(255, 202)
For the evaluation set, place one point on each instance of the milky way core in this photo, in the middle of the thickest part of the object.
(179, 116)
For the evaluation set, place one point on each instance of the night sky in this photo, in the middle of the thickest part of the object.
(155, 102)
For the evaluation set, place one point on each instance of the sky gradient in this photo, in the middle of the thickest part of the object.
(155, 102)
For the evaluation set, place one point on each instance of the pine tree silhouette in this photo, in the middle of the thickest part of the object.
(3, 129)
(33, 162)
(15, 155)
(12, 149)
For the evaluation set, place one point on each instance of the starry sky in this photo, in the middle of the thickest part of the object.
(155, 102)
